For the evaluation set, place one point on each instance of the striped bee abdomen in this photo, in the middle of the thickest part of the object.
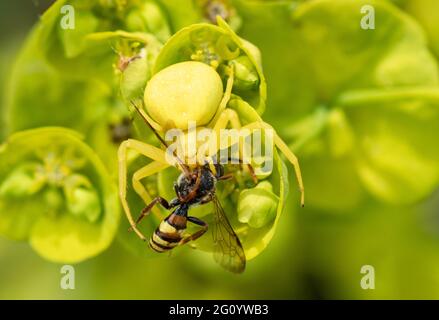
(169, 233)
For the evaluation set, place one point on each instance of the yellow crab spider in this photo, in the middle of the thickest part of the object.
(184, 92)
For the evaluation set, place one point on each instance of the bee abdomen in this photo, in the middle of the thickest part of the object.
(163, 240)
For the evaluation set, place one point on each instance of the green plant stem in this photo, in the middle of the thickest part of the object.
(373, 97)
(307, 128)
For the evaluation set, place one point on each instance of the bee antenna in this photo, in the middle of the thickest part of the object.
(183, 166)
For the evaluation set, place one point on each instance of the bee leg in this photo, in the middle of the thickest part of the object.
(249, 166)
(205, 200)
(252, 173)
(197, 234)
(192, 194)
(146, 211)
(227, 176)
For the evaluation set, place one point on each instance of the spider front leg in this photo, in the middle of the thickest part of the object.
(230, 116)
(146, 171)
(149, 151)
(285, 150)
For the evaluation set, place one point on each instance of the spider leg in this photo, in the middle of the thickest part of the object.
(229, 116)
(146, 171)
(283, 147)
(148, 151)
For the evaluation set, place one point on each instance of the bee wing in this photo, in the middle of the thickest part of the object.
(228, 251)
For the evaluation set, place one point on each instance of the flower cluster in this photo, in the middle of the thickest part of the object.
(359, 107)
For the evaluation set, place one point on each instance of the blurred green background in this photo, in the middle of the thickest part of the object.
(315, 253)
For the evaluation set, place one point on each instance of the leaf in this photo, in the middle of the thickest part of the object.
(290, 85)
(47, 88)
(73, 40)
(181, 13)
(332, 185)
(327, 56)
(43, 218)
(395, 153)
(36, 76)
(134, 78)
(69, 78)
(425, 12)
(149, 18)
(396, 47)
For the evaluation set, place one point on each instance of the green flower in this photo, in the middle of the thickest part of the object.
(56, 194)
(21, 182)
(82, 199)
(245, 73)
(257, 206)
(362, 104)
(82, 70)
